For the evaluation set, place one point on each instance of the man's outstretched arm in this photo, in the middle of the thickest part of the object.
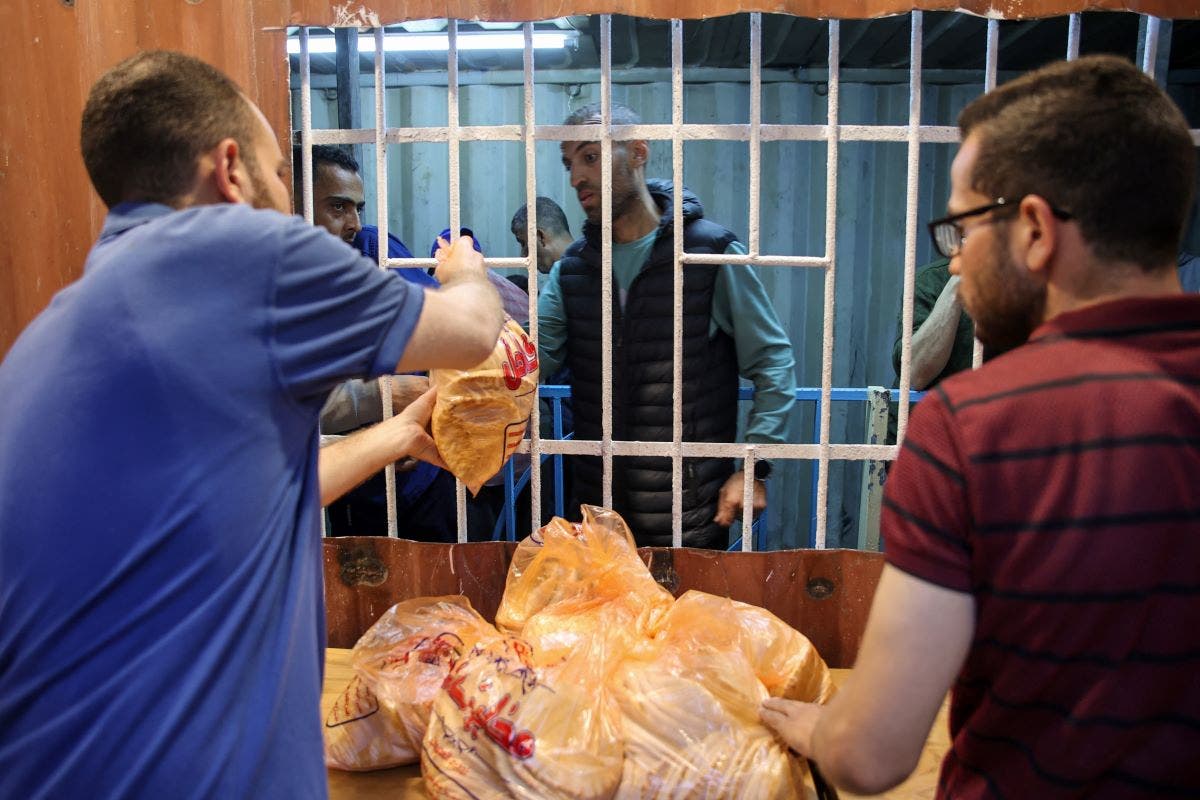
(459, 323)
(870, 736)
(348, 462)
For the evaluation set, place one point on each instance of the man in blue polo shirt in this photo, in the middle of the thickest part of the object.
(161, 608)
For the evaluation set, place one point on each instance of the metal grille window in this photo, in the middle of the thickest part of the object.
(776, 143)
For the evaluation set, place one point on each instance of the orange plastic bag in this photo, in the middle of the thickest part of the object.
(481, 414)
(689, 701)
(400, 664)
(595, 560)
(508, 724)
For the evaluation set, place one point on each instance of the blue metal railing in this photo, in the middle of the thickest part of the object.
(506, 525)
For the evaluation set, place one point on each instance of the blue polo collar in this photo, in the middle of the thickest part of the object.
(124, 216)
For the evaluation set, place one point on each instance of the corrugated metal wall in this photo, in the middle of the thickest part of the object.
(870, 241)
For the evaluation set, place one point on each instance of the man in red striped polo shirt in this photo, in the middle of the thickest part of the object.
(1042, 520)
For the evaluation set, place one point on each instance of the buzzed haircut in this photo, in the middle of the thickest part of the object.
(1099, 139)
(148, 120)
(621, 115)
(550, 217)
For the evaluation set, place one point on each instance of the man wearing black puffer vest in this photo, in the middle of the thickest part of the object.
(729, 330)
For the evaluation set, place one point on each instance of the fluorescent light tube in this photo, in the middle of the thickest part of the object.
(438, 42)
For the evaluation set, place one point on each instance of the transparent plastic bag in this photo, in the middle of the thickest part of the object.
(508, 724)
(689, 701)
(400, 664)
(481, 414)
(595, 560)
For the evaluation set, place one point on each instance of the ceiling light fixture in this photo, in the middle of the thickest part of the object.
(439, 42)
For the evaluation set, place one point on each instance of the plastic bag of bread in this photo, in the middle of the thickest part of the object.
(689, 701)
(480, 415)
(510, 724)
(593, 560)
(400, 664)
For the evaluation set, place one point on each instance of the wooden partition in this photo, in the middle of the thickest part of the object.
(825, 594)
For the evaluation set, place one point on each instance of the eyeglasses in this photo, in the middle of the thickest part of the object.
(947, 232)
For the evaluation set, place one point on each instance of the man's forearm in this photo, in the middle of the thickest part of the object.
(933, 342)
(458, 327)
(349, 461)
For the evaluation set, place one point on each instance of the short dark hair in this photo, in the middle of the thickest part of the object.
(621, 115)
(1099, 139)
(333, 154)
(148, 120)
(550, 217)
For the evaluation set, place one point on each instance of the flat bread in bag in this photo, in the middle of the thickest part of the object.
(481, 413)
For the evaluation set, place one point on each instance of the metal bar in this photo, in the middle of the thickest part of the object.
(306, 167)
(748, 500)
(347, 69)
(1074, 28)
(510, 491)
(535, 423)
(817, 513)
(455, 188)
(754, 221)
(306, 131)
(606, 231)
(939, 134)
(559, 500)
(677, 284)
(695, 75)
(992, 58)
(831, 177)
(1150, 45)
(806, 452)
(820, 262)
(755, 128)
(910, 229)
(381, 200)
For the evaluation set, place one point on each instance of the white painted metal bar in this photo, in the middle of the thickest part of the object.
(381, 205)
(831, 194)
(910, 224)
(820, 262)
(306, 131)
(455, 188)
(677, 284)
(755, 129)
(944, 134)
(1074, 28)
(991, 60)
(494, 263)
(606, 231)
(754, 233)
(811, 452)
(306, 166)
(748, 499)
(1150, 45)
(531, 239)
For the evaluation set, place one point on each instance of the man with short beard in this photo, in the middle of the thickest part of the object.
(729, 329)
(1041, 520)
(161, 605)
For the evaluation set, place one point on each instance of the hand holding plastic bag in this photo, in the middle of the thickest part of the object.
(689, 703)
(482, 413)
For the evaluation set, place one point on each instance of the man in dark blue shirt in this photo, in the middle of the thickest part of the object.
(161, 605)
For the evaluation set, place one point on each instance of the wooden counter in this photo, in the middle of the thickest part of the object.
(404, 783)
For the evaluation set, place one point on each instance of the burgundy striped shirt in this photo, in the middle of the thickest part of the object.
(1060, 485)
